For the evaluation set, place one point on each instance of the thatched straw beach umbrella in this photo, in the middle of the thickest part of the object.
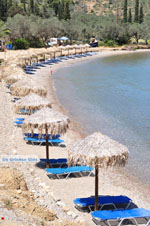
(87, 46)
(62, 48)
(14, 77)
(26, 86)
(69, 47)
(76, 47)
(99, 151)
(46, 121)
(31, 102)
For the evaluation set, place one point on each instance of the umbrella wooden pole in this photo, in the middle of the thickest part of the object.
(96, 187)
(47, 148)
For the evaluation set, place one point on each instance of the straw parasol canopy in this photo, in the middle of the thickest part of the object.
(47, 121)
(14, 77)
(69, 47)
(57, 123)
(87, 46)
(62, 48)
(99, 151)
(31, 102)
(26, 86)
(76, 47)
(10, 68)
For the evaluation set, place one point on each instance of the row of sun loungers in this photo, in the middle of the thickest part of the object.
(119, 208)
(112, 209)
(30, 69)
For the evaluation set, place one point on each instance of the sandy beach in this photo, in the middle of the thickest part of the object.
(112, 182)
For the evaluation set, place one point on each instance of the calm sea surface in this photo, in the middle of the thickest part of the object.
(112, 95)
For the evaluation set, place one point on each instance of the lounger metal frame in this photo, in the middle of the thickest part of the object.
(68, 173)
(100, 207)
(54, 164)
(52, 142)
(120, 220)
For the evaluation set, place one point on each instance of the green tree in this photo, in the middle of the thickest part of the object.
(141, 16)
(61, 10)
(67, 12)
(4, 30)
(36, 9)
(3, 9)
(136, 16)
(14, 10)
(130, 16)
(9, 3)
(136, 31)
(32, 6)
(125, 11)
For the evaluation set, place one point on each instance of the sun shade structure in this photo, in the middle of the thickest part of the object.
(46, 121)
(14, 78)
(99, 151)
(26, 86)
(31, 102)
(63, 38)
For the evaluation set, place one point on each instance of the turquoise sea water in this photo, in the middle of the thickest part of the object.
(112, 95)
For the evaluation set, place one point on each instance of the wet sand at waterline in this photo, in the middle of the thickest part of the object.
(110, 182)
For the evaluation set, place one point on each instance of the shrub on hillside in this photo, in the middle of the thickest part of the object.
(35, 43)
(21, 44)
(108, 43)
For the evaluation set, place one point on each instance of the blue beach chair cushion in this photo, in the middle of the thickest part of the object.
(102, 201)
(40, 141)
(26, 111)
(68, 170)
(121, 215)
(55, 161)
(20, 119)
(18, 122)
(59, 162)
(36, 135)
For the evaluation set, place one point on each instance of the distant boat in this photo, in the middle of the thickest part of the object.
(94, 44)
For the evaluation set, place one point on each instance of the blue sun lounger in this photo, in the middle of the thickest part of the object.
(69, 170)
(41, 141)
(29, 72)
(60, 162)
(23, 111)
(103, 201)
(20, 119)
(120, 215)
(36, 135)
(15, 99)
(18, 123)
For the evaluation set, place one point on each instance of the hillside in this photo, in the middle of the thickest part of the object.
(109, 6)
(63, 8)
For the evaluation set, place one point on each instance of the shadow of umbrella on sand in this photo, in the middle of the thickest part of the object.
(27, 85)
(99, 151)
(31, 103)
(46, 121)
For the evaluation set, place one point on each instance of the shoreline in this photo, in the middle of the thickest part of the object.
(79, 131)
(102, 54)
